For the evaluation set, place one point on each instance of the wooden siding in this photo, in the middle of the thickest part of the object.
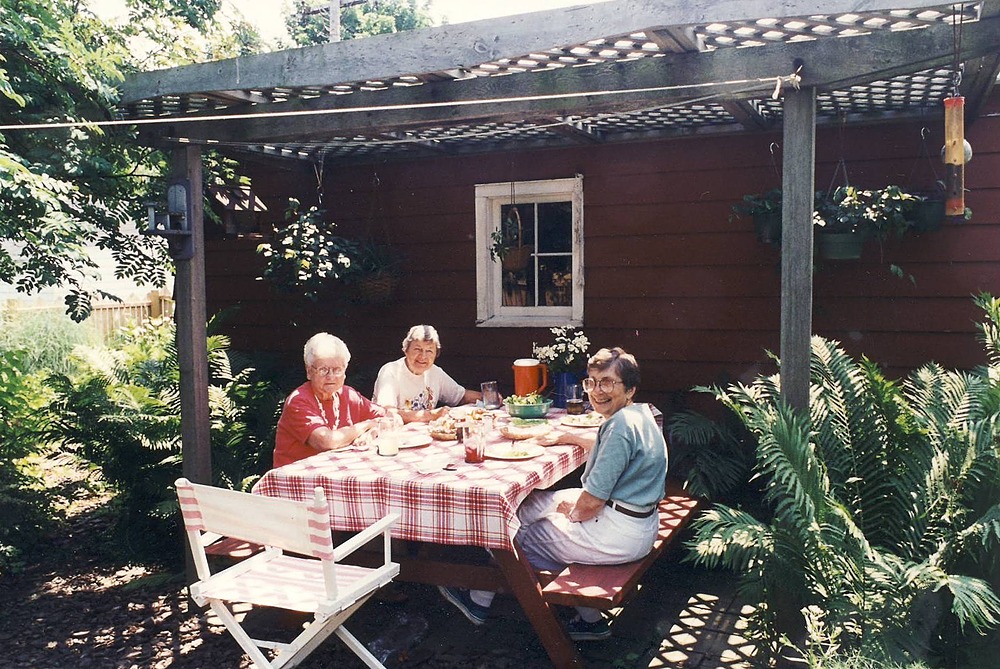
(668, 276)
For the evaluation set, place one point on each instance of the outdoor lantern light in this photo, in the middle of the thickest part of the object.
(175, 225)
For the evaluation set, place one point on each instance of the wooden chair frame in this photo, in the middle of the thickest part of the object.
(298, 570)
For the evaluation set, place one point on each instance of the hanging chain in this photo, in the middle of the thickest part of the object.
(318, 171)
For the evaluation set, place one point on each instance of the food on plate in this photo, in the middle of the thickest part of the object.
(524, 428)
(591, 419)
(512, 452)
(477, 413)
(444, 428)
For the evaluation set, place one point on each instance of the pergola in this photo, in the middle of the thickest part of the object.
(620, 71)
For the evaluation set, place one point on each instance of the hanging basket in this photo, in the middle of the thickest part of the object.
(927, 214)
(516, 260)
(376, 288)
(840, 245)
(768, 226)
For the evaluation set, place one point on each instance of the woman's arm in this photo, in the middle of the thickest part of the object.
(586, 507)
(583, 438)
(421, 416)
(326, 439)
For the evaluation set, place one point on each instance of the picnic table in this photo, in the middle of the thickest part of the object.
(463, 505)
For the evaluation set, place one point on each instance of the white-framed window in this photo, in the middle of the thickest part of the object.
(539, 225)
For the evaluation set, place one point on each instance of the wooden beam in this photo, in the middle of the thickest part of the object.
(192, 338)
(464, 45)
(829, 64)
(798, 186)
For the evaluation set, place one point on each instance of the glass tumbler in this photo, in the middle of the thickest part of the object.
(491, 396)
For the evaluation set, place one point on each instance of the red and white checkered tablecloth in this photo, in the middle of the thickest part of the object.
(474, 505)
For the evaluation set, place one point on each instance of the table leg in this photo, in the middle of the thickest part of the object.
(521, 579)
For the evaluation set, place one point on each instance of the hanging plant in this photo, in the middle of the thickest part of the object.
(306, 256)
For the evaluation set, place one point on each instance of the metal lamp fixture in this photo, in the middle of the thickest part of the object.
(175, 224)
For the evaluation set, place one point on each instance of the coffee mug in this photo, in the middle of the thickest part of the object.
(530, 376)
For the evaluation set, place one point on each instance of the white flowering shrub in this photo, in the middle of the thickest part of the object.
(305, 255)
(567, 352)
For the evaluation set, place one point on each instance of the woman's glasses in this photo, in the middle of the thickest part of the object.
(329, 371)
(604, 385)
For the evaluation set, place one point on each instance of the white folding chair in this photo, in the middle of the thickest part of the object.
(317, 584)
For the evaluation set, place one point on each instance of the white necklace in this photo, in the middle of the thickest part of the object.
(322, 410)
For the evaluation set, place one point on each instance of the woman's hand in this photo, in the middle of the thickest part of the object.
(563, 436)
(584, 508)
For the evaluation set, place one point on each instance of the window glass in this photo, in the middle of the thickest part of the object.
(530, 262)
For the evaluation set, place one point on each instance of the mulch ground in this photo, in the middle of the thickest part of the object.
(76, 606)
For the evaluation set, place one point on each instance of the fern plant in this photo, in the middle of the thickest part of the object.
(123, 414)
(884, 504)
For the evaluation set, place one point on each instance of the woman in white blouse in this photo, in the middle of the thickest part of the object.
(417, 388)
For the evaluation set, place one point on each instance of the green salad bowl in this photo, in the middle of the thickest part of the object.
(528, 410)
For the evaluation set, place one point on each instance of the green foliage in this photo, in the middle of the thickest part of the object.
(880, 212)
(307, 26)
(45, 337)
(715, 458)
(123, 414)
(884, 504)
(66, 189)
(24, 502)
(306, 256)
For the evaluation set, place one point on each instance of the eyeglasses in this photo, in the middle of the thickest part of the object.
(604, 385)
(329, 371)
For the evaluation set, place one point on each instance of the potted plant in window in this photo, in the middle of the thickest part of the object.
(507, 243)
(765, 210)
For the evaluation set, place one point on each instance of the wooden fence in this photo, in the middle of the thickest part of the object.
(107, 317)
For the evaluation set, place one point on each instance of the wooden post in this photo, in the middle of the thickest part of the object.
(154, 304)
(798, 185)
(192, 336)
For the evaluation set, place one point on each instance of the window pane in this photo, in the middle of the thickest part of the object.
(518, 224)
(555, 227)
(555, 280)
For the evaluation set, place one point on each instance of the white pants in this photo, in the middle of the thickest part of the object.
(550, 541)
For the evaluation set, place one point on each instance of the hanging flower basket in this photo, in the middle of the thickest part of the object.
(375, 288)
(840, 245)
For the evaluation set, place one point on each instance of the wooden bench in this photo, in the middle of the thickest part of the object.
(607, 586)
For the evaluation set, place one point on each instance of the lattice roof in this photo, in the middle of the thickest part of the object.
(916, 92)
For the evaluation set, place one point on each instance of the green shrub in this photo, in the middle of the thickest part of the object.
(25, 505)
(122, 412)
(884, 507)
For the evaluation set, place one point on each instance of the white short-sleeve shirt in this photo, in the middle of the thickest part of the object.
(396, 386)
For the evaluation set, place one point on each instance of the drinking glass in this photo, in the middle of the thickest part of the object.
(475, 443)
(574, 400)
(491, 396)
(387, 438)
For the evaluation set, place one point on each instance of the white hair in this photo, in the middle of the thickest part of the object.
(421, 333)
(325, 345)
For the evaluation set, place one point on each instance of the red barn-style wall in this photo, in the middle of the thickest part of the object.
(668, 276)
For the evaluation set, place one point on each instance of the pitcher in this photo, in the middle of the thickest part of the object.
(530, 376)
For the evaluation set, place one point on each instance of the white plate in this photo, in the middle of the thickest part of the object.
(413, 440)
(518, 452)
(583, 420)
